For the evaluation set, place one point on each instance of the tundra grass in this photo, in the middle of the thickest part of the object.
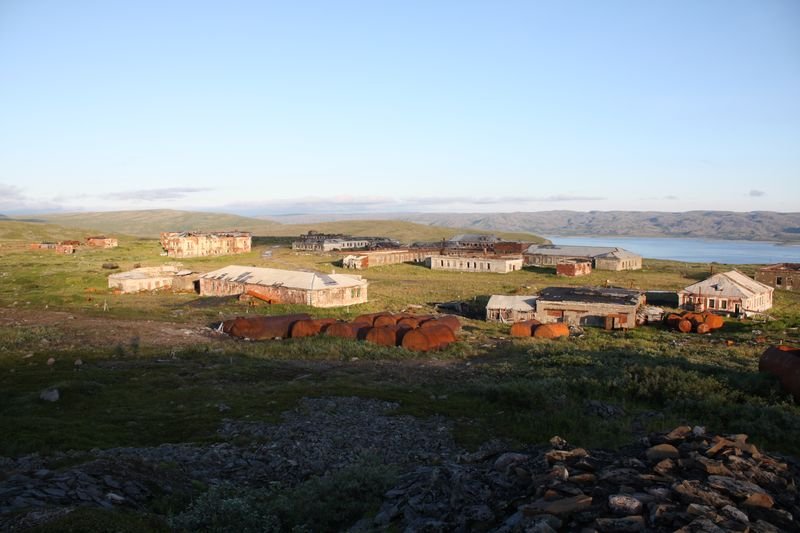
(491, 386)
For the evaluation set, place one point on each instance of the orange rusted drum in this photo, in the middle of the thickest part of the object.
(713, 321)
(427, 339)
(784, 363)
(551, 331)
(702, 329)
(382, 335)
(262, 327)
(343, 330)
(450, 321)
(684, 326)
(384, 320)
(408, 322)
(309, 328)
(525, 328)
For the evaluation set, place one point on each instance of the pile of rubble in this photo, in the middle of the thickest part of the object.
(685, 481)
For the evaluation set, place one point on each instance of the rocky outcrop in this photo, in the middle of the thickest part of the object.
(684, 481)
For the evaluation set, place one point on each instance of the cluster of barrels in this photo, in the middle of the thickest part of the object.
(697, 322)
(783, 362)
(415, 332)
(534, 328)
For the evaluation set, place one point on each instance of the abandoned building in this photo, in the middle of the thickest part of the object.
(63, 247)
(285, 286)
(731, 293)
(498, 265)
(600, 257)
(509, 309)
(154, 278)
(202, 244)
(385, 257)
(573, 268)
(781, 276)
(314, 241)
(472, 241)
(102, 241)
(43, 245)
(606, 307)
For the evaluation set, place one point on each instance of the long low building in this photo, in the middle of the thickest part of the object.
(153, 278)
(601, 257)
(607, 307)
(385, 257)
(781, 276)
(498, 265)
(285, 286)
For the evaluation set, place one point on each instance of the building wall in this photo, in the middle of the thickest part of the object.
(613, 263)
(574, 269)
(587, 314)
(726, 305)
(103, 243)
(328, 297)
(786, 279)
(140, 284)
(206, 245)
(599, 263)
(508, 315)
(387, 258)
(474, 264)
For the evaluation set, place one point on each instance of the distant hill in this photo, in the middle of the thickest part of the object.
(150, 223)
(32, 231)
(756, 225)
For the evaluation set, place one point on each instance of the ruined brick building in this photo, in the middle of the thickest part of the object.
(202, 244)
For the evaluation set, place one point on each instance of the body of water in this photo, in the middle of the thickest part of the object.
(695, 250)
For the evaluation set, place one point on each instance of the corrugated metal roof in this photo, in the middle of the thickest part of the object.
(600, 295)
(732, 284)
(293, 279)
(517, 303)
(474, 237)
(569, 250)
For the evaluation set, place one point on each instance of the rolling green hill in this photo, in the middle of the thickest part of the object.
(31, 231)
(150, 223)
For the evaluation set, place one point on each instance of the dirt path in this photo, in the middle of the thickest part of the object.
(65, 330)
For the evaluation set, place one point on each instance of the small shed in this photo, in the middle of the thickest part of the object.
(573, 268)
(502, 308)
(145, 279)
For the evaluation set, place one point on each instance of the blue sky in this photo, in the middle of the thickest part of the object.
(267, 107)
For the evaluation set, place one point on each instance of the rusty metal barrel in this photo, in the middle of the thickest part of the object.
(524, 328)
(450, 321)
(427, 339)
(551, 331)
(382, 335)
(784, 363)
(310, 328)
(262, 327)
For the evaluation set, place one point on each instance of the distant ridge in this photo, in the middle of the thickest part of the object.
(150, 223)
(755, 225)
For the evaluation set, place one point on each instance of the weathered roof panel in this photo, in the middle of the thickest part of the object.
(516, 303)
(601, 295)
(294, 279)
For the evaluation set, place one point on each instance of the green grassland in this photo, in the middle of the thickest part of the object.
(151, 222)
(528, 390)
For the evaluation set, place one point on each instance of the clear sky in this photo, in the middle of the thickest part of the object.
(279, 107)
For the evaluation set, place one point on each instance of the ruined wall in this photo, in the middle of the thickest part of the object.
(574, 269)
(328, 297)
(202, 245)
(788, 279)
(102, 242)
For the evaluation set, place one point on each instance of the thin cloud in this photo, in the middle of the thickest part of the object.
(382, 204)
(152, 195)
(13, 200)
(756, 192)
(671, 197)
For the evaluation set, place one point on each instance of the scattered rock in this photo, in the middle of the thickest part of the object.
(662, 451)
(50, 395)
